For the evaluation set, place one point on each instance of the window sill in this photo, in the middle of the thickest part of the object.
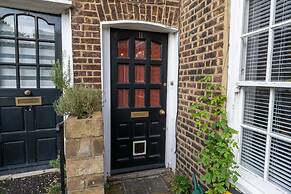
(250, 183)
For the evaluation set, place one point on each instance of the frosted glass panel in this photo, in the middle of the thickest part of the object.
(123, 48)
(139, 98)
(7, 76)
(7, 51)
(155, 74)
(139, 49)
(27, 52)
(139, 74)
(155, 97)
(26, 26)
(45, 77)
(7, 26)
(27, 77)
(123, 73)
(45, 30)
(156, 50)
(122, 98)
(46, 53)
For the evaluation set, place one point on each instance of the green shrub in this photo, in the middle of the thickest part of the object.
(78, 101)
(54, 188)
(55, 163)
(217, 157)
(61, 80)
(181, 185)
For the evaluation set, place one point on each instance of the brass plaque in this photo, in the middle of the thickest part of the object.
(141, 114)
(28, 101)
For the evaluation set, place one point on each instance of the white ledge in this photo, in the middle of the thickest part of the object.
(46, 6)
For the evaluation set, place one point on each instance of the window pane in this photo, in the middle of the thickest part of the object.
(253, 151)
(123, 48)
(27, 52)
(7, 76)
(256, 107)
(122, 98)
(155, 97)
(256, 57)
(7, 26)
(7, 51)
(155, 74)
(280, 164)
(46, 53)
(123, 74)
(26, 26)
(155, 50)
(283, 10)
(282, 112)
(139, 98)
(45, 78)
(139, 49)
(139, 73)
(281, 63)
(45, 30)
(27, 77)
(259, 14)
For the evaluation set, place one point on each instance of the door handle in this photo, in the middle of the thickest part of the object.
(162, 112)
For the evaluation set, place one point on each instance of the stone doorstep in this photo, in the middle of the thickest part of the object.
(28, 174)
(115, 179)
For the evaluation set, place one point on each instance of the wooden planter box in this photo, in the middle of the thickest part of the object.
(84, 149)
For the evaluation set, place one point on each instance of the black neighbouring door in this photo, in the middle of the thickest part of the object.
(138, 100)
(29, 44)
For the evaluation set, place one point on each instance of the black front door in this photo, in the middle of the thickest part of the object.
(29, 45)
(138, 100)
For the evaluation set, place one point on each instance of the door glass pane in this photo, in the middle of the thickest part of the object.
(27, 77)
(155, 75)
(155, 50)
(26, 26)
(7, 76)
(123, 76)
(155, 97)
(139, 49)
(139, 74)
(139, 98)
(27, 52)
(46, 53)
(123, 48)
(7, 51)
(122, 98)
(7, 26)
(45, 78)
(45, 31)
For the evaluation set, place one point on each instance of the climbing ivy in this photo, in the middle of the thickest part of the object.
(216, 157)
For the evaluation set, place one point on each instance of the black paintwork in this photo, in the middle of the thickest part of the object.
(125, 129)
(28, 134)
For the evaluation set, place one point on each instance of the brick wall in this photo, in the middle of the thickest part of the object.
(86, 18)
(202, 52)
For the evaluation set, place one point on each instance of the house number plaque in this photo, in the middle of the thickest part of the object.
(141, 114)
(28, 101)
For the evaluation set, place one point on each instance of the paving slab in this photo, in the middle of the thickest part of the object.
(147, 182)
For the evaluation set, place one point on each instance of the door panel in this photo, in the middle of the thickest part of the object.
(29, 45)
(138, 90)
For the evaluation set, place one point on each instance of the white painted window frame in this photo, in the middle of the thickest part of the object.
(172, 85)
(249, 182)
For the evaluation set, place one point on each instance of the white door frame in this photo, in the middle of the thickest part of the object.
(172, 85)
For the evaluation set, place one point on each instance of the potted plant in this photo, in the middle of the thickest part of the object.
(81, 107)
(216, 157)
